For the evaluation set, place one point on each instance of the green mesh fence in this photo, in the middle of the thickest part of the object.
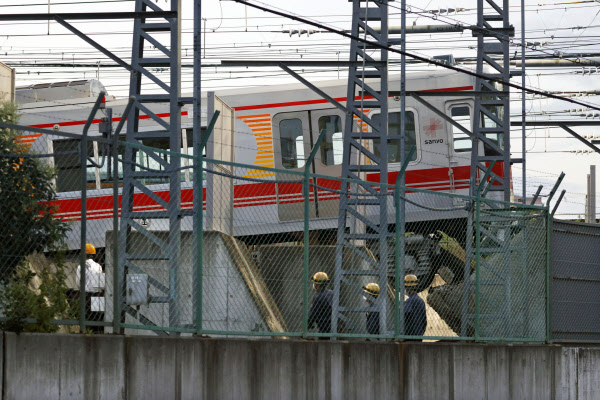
(450, 267)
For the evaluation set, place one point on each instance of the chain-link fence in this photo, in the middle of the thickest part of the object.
(47, 224)
(265, 256)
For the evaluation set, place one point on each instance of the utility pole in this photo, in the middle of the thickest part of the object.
(591, 196)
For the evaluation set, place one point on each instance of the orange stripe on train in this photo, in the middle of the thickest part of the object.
(260, 125)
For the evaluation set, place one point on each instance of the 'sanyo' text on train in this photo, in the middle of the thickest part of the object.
(270, 126)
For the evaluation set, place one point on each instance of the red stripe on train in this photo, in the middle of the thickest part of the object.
(97, 121)
(259, 194)
(323, 101)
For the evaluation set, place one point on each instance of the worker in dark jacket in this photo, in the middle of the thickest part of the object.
(415, 317)
(372, 290)
(320, 310)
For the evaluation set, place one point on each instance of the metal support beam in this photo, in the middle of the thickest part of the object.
(95, 44)
(400, 246)
(365, 62)
(523, 104)
(450, 93)
(198, 144)
(562, 194)
(536, 195)
(491, 125)
(87, 16)
(52, 132)
(580, 138)
(167, 35)
(299, 63)
(557, 123)
(83, 232)
(315, 89)
(555, 188)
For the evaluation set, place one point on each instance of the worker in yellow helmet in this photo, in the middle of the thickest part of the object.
(415, 316)
(320, 309)
(372, 291)
(94, 287)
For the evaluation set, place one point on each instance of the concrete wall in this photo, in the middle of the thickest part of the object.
(38, 366)
(7, 83)
(228, 301)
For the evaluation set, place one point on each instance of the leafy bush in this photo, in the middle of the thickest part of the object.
(36, 295)
(26, 201)
(28, 227)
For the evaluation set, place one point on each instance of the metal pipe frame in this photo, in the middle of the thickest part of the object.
(401, 184)
(306, 236)
(197, 143)
(83, 233)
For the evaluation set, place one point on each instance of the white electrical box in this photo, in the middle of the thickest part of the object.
(138, 290)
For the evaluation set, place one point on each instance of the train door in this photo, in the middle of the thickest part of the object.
(292, 146)
(328, 160)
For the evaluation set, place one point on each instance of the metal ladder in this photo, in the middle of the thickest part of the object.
(491, 126)
(359, 160)
(164, 37)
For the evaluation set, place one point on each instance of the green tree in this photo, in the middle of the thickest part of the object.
(26, 201)
(28, 227)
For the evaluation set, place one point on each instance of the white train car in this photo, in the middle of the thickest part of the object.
(270, 126)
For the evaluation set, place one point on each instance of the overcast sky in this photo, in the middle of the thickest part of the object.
(238, 32)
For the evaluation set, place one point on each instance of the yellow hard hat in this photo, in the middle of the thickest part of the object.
(411, 280)
(320, 277)
(372, 288)
(90, 249)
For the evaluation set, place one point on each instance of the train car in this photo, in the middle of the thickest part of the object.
(271, 126)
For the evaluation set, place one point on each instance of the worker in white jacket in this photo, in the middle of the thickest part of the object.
(94, 286)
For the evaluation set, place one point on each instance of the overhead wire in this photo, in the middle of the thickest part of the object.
(415, 56)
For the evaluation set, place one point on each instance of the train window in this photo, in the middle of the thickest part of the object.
(394, 129)
(146, 162)
(68, 169)
(462, 115)
(333, 145)
(106, 169)
(292, 143)
(68, 166)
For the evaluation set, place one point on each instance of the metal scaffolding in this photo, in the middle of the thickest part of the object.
(359, 159)
(490, 152)
(164, 36)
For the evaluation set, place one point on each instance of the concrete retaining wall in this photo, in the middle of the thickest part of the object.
(233, 300)
(38, 366)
